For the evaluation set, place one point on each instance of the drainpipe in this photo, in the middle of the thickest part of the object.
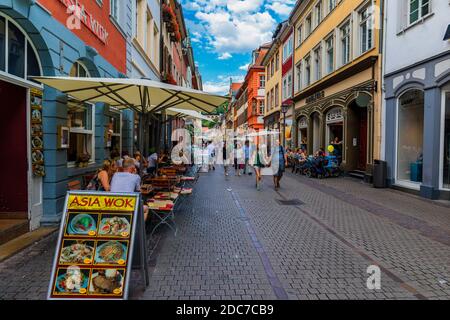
(383, 18)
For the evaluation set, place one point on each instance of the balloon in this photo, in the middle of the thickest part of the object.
(330, 148)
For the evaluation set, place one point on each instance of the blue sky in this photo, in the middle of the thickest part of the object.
(224, 33)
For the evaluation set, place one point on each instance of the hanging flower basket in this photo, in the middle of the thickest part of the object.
(167, 13)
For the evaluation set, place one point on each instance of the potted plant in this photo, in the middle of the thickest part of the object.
(83, 160)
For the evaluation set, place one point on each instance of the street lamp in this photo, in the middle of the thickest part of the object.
(284, 109)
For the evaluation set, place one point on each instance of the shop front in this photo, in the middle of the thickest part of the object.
(57, 140)
(272, 123)
(418, 128)
(341, 118)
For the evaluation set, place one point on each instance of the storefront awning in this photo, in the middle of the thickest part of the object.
(447, 33)
(141, 95)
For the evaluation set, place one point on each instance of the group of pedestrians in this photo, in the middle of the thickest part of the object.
(244, 156)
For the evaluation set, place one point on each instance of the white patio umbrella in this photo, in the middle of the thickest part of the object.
(144, 96)
(141, 95)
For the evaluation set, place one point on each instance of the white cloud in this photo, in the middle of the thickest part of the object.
(281, 8)
(225, 56)
(244, 67)
(231, 26)
(237, 33)
(248, 6)
(222, 86)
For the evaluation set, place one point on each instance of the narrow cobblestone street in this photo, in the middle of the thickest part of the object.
(234, 242)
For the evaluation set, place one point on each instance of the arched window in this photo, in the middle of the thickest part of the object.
(335, 131)
(78, 69)
(17, 54)
(410, 136)
(302, 135)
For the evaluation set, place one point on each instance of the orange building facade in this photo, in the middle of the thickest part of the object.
(255, 83)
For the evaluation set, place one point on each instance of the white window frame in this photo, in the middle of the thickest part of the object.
(299, 34)
(5, 74)
(262, 80)
(299, 73)
(114, 10)
(318, 13)
(308, 25)
(90, 132)
(420, 15)
(341, 38)
(288, 48)
(399, 182)
(307, 63)
(327, 51)
(318, 65)
(367, 23)
(261, 106)
(331, 5)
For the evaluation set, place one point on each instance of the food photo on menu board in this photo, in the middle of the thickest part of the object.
(82, 224)
(111, 252)
(114, 225)
(71, 280)
(77, 252)
(107, 281)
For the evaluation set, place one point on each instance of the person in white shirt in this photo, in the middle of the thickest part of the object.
(211, 155)
(128, 180)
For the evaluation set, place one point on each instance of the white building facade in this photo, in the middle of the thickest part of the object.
(417, 96)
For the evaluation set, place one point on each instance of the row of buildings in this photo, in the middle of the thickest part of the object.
(371, 77)
(48, 139)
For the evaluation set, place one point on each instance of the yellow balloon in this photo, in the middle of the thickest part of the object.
(330, 148)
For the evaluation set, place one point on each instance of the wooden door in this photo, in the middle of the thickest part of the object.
(13, 146)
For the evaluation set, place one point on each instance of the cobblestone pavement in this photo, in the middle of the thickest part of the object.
(234, 242)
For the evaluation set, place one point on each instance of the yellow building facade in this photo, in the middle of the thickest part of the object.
(273, 67)
(337, 92)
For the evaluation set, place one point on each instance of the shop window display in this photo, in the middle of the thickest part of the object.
(410, 136)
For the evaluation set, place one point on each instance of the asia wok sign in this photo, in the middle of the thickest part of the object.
(78, 14)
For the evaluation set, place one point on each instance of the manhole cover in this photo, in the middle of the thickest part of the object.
(292, 202)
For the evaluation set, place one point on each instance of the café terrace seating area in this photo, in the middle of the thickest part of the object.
(163, 193)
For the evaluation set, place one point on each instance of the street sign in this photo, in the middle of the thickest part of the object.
(94, 254)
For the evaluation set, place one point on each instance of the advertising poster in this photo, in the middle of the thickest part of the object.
(37, 139)
(94, 254)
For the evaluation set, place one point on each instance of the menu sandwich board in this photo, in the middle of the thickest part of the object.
(94, 254)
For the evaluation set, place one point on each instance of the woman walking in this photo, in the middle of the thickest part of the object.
(258, 163)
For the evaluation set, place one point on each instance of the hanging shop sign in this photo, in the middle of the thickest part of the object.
(94, 255)
(36, 134)
(78, 13)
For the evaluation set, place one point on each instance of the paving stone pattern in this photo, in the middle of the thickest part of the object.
(235, 242)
